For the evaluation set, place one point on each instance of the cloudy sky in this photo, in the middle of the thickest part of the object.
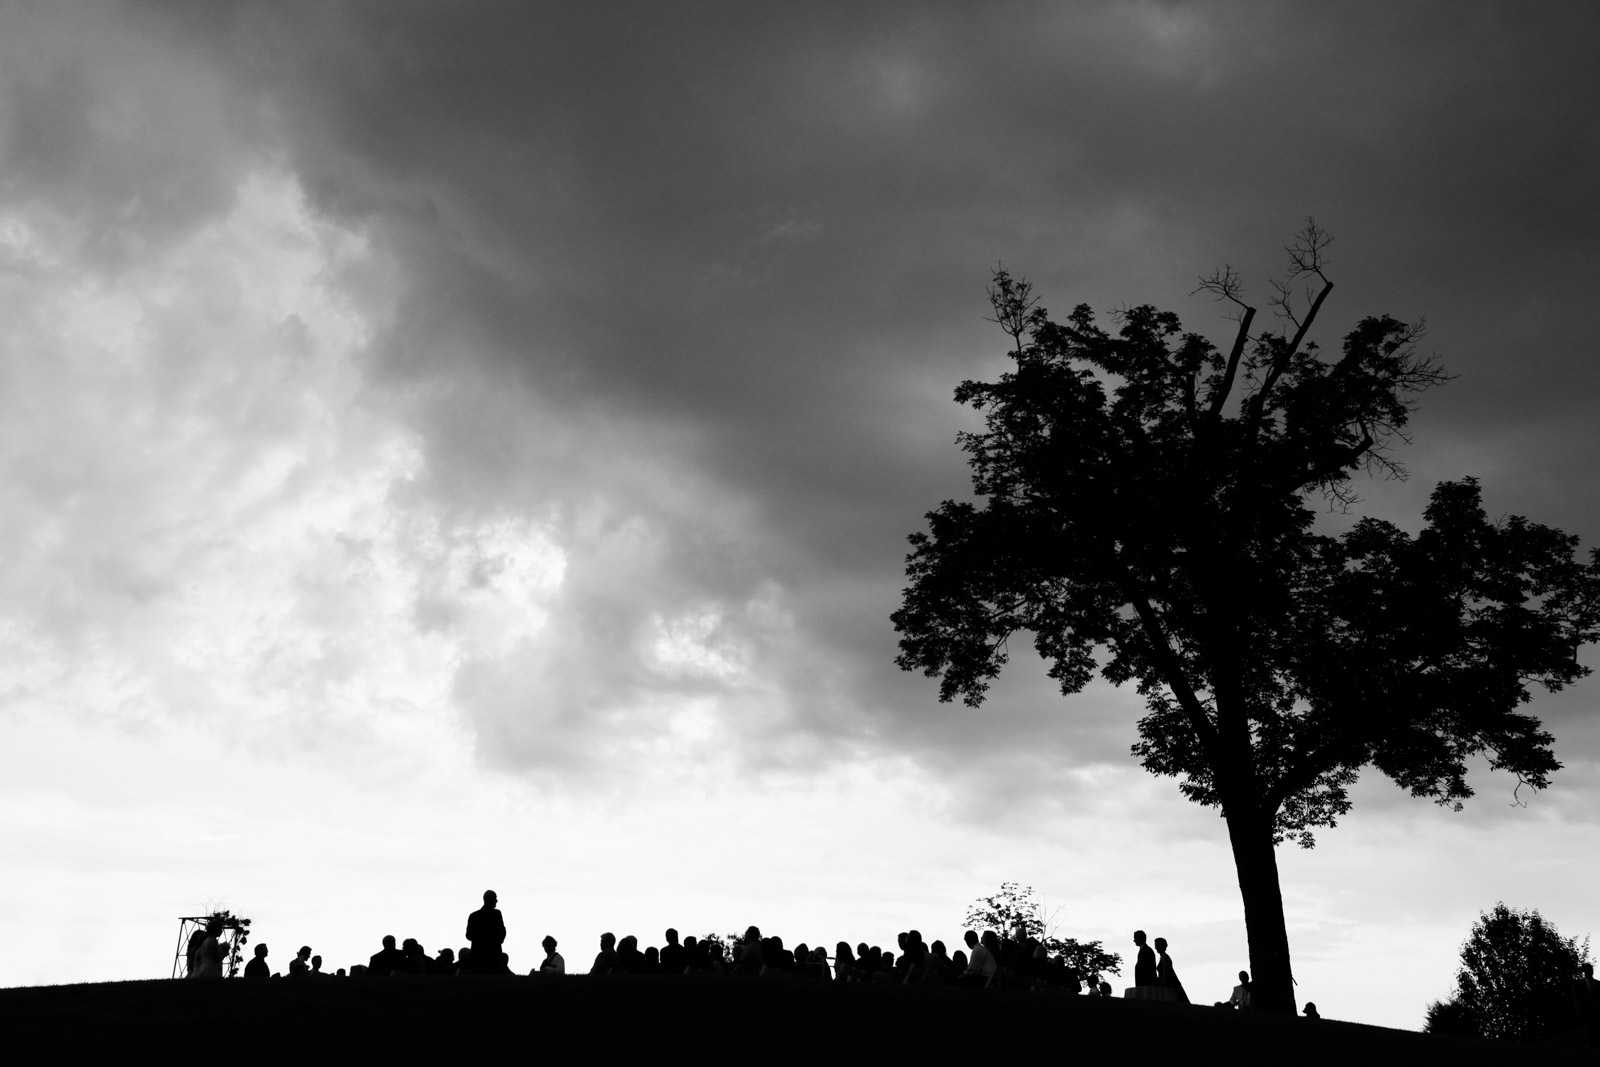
(452, 446)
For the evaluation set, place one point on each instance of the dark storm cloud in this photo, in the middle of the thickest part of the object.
(712, 270)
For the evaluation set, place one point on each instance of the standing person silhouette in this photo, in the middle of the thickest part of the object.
(1144, 968)
(486, 931)
(208, 953)
(1166, 976)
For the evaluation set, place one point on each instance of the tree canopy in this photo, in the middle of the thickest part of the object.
(1015, 906)
(1515, 979)
(1147, 511)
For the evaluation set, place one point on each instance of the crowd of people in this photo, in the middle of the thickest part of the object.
(991, 959)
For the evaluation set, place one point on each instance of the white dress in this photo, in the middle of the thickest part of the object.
(208, 960)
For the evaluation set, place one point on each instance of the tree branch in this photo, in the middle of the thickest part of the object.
(1173, 670)
(1232, 371)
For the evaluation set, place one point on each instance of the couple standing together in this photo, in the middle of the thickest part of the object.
(1148, 971)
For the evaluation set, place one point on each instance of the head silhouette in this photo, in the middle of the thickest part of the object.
(1161, 945)
(549, 944)
(971, 938)
(608, 941)
(316, 964)
(388, 941)
(489, 899)
(1138, 938)
(672, 936)
(261, 951)
(304, 953)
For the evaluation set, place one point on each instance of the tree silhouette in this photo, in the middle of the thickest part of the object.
(1147, 510)
(1515, 979)
(1015, 906)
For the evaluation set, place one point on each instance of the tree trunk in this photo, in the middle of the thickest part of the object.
(1255, 858)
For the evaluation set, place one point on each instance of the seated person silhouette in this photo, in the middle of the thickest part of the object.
(257, 968)
(1311, 1011)
(552, 965)
(486, 931)
(629, 959)
(777, 957)
(416, 957)
(316, 967)
(444, 964)
(605, 961)
(674, 957)
(940, 969)
(913, 958)
(386, 961)
(753, 960)
(300, 966)
(844, 962)
(715, 957)
(1241, 993)
(981, 965)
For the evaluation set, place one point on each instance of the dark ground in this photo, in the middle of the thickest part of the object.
(606, 1019)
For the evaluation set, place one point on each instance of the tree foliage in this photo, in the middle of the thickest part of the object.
(1147, 511)
(1015, 906)
(1515, 979)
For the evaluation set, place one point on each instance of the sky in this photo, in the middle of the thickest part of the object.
(452, 446)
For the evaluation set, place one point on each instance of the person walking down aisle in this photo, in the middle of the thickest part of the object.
(1144, 968)
(1166, 976)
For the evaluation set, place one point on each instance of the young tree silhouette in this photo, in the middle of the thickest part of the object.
(1015, 906)
(1147, 510)
(1515, 979)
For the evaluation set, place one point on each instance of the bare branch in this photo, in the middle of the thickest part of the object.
(1306, 254)
(1306, 261)
(1283, 299)
(1016, 308)
(1224, 283)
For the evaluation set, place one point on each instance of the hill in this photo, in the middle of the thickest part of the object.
(581, 1017)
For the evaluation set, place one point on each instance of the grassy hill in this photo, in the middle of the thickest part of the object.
(578, 1018)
